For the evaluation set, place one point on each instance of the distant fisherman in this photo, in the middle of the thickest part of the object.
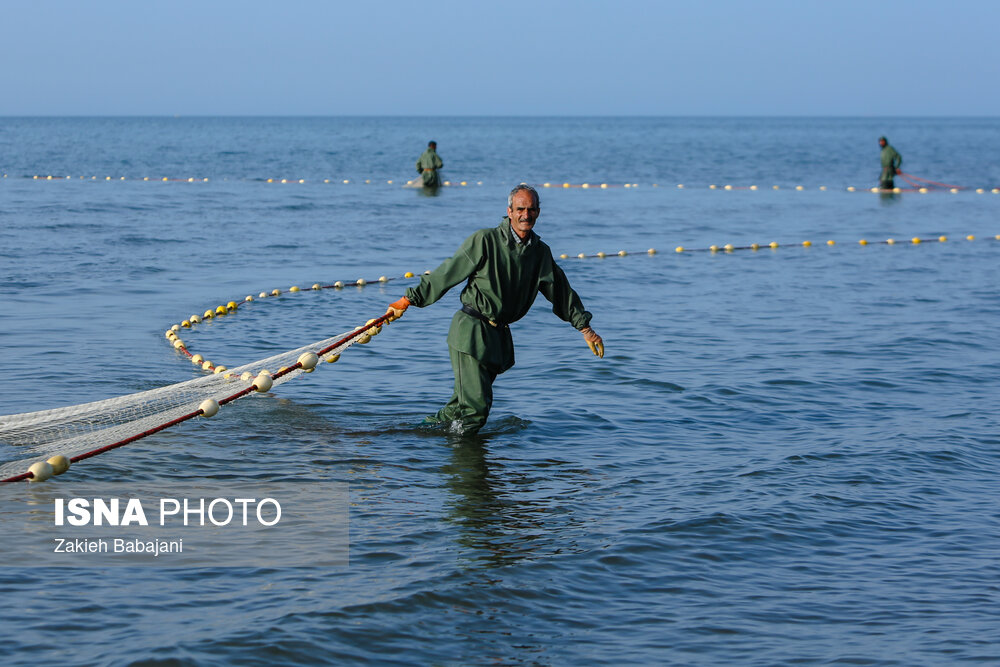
(505, 268)
(428, 164)
(891, 162)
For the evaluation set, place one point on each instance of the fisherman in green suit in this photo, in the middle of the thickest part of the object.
(891, 162)
(428, 164)
(505, 268)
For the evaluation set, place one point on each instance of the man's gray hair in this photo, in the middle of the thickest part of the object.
(523, 187)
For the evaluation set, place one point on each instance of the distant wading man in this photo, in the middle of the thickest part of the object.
(891, 162)
(505, 267)
(428, 164)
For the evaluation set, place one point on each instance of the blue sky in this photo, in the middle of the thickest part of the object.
(547, 57)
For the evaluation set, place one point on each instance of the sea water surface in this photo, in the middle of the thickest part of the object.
(787, 456)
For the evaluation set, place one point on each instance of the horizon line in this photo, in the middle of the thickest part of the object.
(392, 115)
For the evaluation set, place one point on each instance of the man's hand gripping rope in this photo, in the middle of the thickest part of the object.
(397, 308)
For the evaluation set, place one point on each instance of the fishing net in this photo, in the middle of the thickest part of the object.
(77, 430)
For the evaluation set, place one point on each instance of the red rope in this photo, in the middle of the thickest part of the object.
(375, 323)
(906, 178)
(940, 185)
(156, 429)
(138, 436)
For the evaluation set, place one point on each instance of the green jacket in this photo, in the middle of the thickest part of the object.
(429, 160)
(891, 161)
(503, 278)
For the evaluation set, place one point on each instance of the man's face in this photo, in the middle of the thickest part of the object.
(881, 142)
(523, 212)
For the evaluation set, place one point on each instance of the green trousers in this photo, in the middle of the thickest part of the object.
(430, 178)
(473, 397)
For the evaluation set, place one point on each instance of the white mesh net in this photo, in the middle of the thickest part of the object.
(35, 436)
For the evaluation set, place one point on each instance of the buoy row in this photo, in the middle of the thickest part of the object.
(118, 178)
(196, 359)
(172, 334)
(547, 184)
(773, 245)
(367, 181)
(597, 186)
(305, 361)
(232, 306)
(602, 255)
(345, 181)
(851, 188)
(263, 380)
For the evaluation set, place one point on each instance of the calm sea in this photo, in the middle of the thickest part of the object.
(787, 456)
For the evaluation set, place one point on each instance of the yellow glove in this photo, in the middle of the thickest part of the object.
(595, 342)
(397, 308)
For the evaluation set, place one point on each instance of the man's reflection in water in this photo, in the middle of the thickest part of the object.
(499, 525)
(888, 197)
(429, 191)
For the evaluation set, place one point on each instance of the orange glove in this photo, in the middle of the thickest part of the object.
(397, 308)
(595, 342)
